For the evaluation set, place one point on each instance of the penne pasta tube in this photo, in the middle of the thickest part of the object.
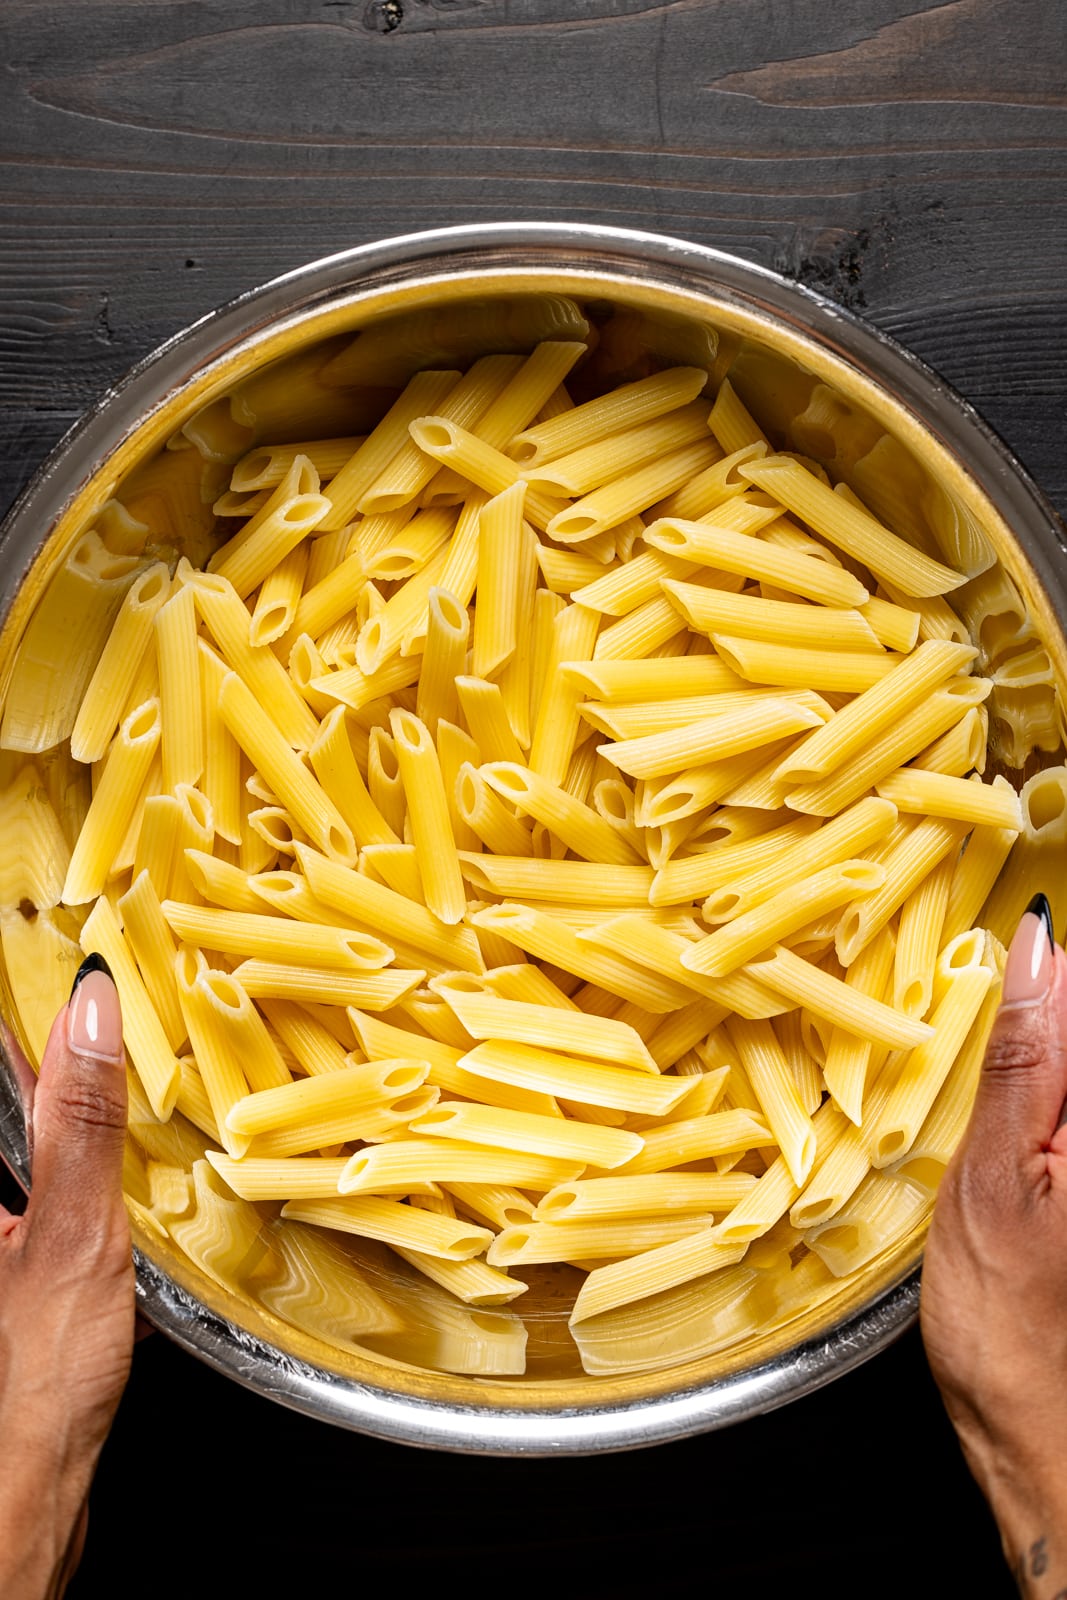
(37, 855)
(428, 814)
(849, 1062)
(709, 544)
(494, 635)
(526, 1244)
(443, 661)
(374, 1217)
(719, 611)
(576, 825)
(113, 805)
(642, 1195)
(849, 528)
(401, 1162)
(847, 835)
(562, 1138)
(332, 1094)
(884, 752)
(544, 936)
(789, 666)
(926, 1067)
(839, 1002)
(935, 794)
(905, 866)
(63, 641)
(227, 621)
(260, 1178)
(268, 938)
(147, 1045)
(328, 986)
(633, 492)
(625, 407)
(257, 734)
(132, 634)
(711, 738)
(585, 1082)
(485, 1016)
(651, 1272)
(735, 943)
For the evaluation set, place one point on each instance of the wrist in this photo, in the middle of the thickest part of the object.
(1027, 1496)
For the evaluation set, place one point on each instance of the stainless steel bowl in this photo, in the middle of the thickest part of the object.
(678, 298)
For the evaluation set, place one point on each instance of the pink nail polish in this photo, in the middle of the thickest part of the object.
(1028, 969)
(94, 1020)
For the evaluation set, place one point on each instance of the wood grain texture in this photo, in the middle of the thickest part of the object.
(907, 158)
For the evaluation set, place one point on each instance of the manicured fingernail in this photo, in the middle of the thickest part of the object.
(1028, 969)
(92, 963)
(94, 1018)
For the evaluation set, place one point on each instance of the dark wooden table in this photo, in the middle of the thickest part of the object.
(907, 158)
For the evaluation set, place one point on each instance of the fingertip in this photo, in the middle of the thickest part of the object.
(94, 1015)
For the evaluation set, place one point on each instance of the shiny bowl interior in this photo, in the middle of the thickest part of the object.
(418, 301)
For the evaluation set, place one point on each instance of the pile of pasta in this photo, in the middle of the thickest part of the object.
(538, 834)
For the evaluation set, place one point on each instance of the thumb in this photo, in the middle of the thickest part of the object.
(1023, 1083)
(79, 1110)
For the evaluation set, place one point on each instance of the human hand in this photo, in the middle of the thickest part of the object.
(66, 1294)
(993, 1305)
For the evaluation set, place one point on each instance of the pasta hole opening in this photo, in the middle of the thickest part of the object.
(864, 874)
(613, 800)
(436, 1119)
(411, 1105)
(143, 722)
(558, 1202)
(187, 965)
(925, 1171)
(396, 564)
(430, 434)
(522, 450)
(848, 937)
(467, 794)
(383, 754)
(573, 525)
(369, 645)
(1046, 802)
(890, 1146)
(251, 473)
(965, 950)
(340, 844)
(668, 536)
(512, 780)
(303, 508)
(270, 623)
(454, 615)
(466, 1246)
(279, 882)
(373, 504)
(402, 1078)
(810, 1215)
(224, 990)
(513, 1216)
(197, 807)
(719, 907)
(844, 1238)
(914, 998)
(409, 731)
(153, 583)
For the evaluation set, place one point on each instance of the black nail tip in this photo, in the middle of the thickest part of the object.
(93, 963)
(1039, 907)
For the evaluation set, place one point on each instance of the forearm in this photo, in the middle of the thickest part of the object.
(1028, 1498)
(38, 1522)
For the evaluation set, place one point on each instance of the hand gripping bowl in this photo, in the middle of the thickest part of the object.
(343, 1327)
